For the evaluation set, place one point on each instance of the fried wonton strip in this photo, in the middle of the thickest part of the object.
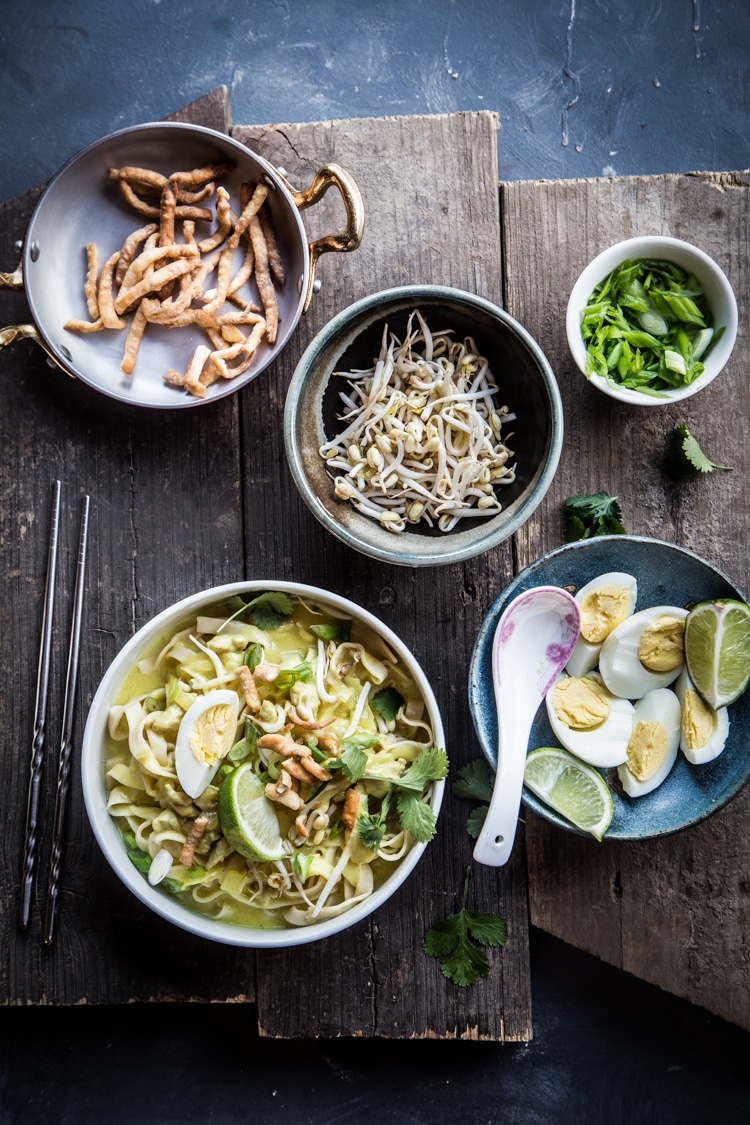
(206, 319)
(166, 215)
(194, 369)
(110, 319)
(231, 334)
(185, 196)
(145, 179)
(201, 175)
(192, 840)
(224, 220)
(244, 273)
(84, 325)
(225, 261)
(274, 255)
(89, 288)
(129, 247)
(152, 284)
(153, 253)
(182, 211)
(243, 352)
(263, 280)
(133, 341)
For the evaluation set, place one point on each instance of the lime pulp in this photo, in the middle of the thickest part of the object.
(570, 787)
(247, 818)
(717, 650)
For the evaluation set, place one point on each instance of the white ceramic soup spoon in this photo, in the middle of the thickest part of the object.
(533, 641)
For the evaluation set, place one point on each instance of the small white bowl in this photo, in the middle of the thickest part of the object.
(95, 791)
(719, 294)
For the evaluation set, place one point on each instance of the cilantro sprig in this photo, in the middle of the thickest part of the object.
(453, 940)
(371, 827)
(270, 609)
(416, 816)
(585, 517)
(685, 458)
(475, 783)
(387, 702)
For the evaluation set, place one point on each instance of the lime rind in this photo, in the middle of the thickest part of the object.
(717, 650)
(247, 818)
(570, 787)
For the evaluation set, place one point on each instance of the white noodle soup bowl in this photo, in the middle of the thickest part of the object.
(93, 758)
(719, 295)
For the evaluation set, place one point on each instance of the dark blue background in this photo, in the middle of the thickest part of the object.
(582, 88)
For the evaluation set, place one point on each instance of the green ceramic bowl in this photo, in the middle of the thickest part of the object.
(352, 340)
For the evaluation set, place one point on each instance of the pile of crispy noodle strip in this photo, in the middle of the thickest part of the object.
(422, 436)
(156, 278)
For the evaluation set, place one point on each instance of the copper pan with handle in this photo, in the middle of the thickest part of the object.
(81, 205)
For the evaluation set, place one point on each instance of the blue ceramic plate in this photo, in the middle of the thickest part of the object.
(666, 575)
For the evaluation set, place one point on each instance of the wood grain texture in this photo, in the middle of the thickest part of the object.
(164, 502)
(672, 911)
(188, 499)
(430, 192)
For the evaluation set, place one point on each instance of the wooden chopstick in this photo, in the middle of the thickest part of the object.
(63, 775)
(40, 717)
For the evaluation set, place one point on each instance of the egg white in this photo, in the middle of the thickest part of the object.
(661, 706)
(604, 746)
(193, 775)
(585, 655)
(619, 665)
(717, 741)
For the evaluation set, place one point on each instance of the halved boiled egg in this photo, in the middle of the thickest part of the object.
(645, 652)
(206, 735)
(589, 721)
(653, 744)
(605, 602)
(703, 731)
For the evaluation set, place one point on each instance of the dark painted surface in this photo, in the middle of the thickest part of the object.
(583, 88)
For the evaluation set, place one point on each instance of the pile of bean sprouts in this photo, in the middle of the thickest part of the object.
(422, 435)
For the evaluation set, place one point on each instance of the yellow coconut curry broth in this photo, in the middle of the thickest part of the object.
(270, 762)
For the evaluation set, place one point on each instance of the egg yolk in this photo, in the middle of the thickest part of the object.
(581, 704)
(213, 734)
(662, 645)
(647, 749)
(602, 610)
(698, 720)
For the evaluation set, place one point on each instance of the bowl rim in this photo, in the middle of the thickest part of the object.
(603, 264)
(457, 546)
(107, 833)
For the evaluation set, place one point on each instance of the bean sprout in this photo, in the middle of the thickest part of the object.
(422, 440)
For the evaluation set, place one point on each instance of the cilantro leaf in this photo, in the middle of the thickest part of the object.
(416, 816)
(430, 764)
(371, 827)
(387, 701)
(685, 458)
(587, 516)
(270, 609)
(353, 759)
(475, 821)
(474, 782)
(453, 939)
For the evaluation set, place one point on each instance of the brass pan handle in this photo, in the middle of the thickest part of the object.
(15, 332)
(332, 175)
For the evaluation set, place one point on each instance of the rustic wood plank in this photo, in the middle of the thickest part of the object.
(671, 911)
(429, 186)
(165, 500)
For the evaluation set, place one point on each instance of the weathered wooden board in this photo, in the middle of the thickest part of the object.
(184, 500)
(430, 189)
(158, 532)
(673, 911)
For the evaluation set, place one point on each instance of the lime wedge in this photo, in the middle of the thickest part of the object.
(570, 787)
(717, 650)
(247, 817)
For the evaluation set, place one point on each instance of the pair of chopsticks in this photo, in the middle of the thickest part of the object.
(40, 718)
